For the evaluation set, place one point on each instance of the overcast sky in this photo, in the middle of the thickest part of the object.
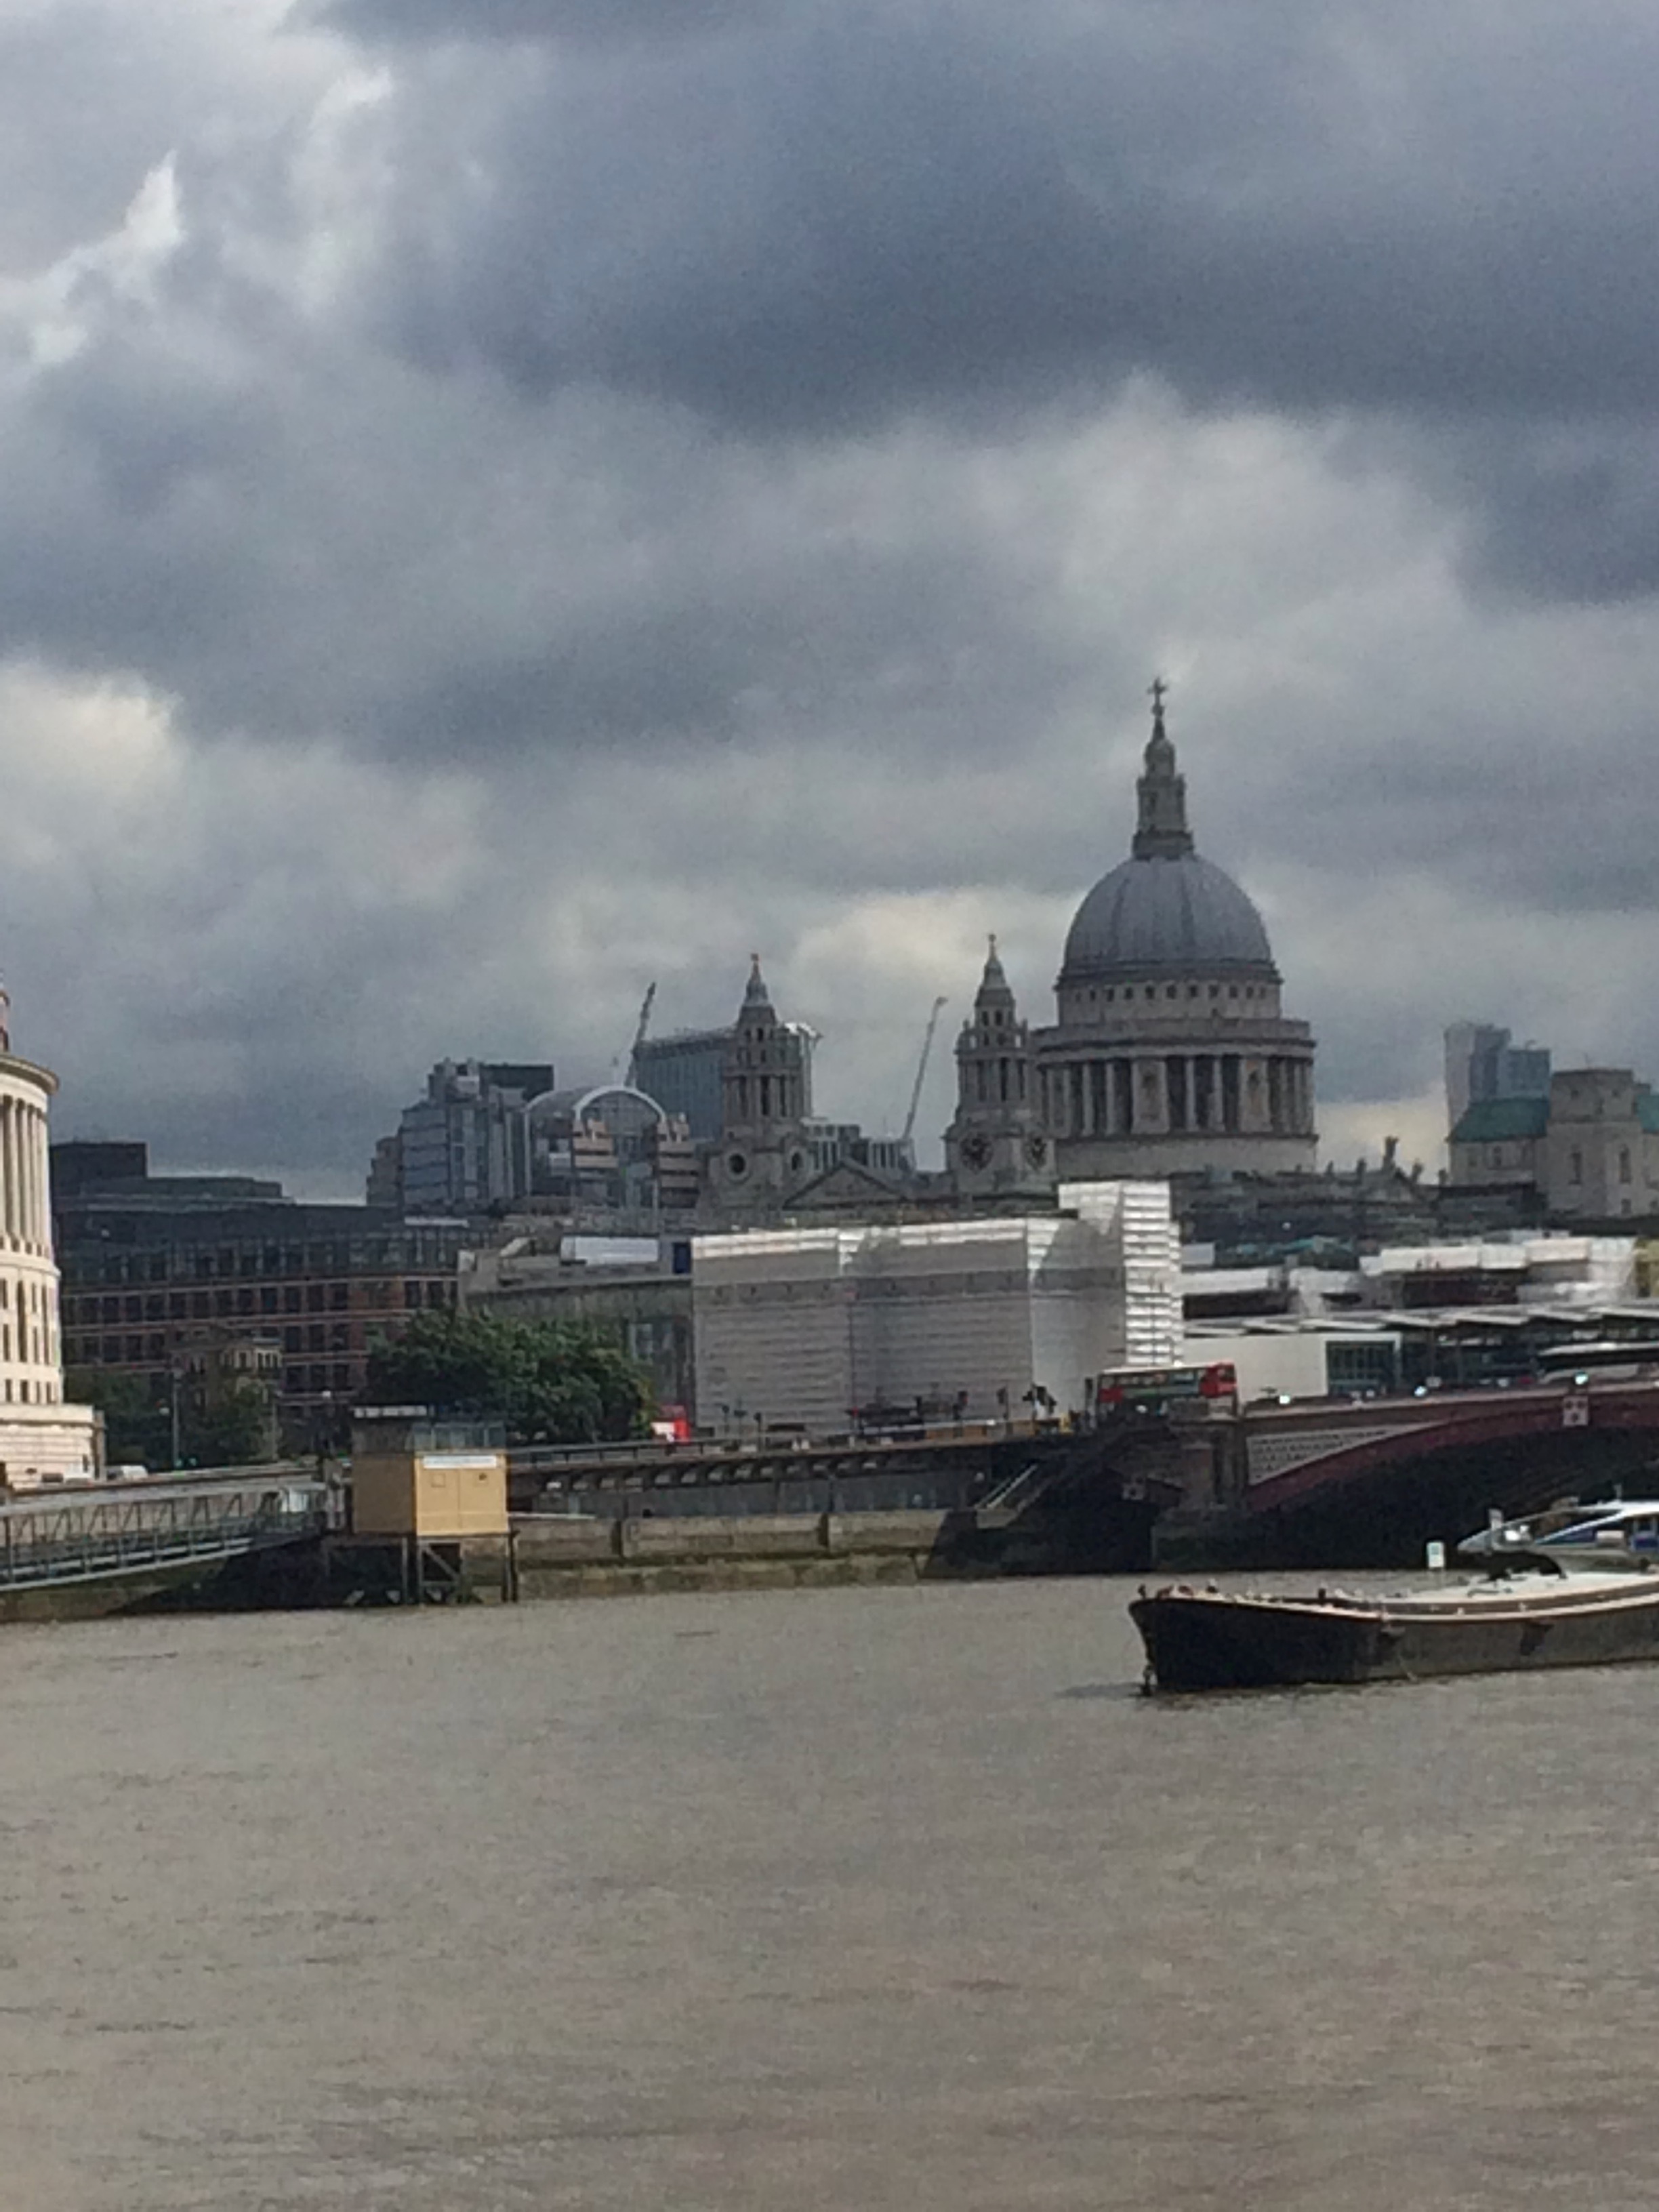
(505, 501)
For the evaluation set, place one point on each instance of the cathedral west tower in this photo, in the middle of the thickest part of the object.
(997, 1142)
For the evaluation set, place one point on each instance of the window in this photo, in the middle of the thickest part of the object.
(1624, 1166)
(1576, 1168)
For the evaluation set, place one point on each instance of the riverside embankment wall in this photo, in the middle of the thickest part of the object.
(557, 1557)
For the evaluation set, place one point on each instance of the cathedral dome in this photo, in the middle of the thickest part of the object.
(1157, 915)
(1164, 910)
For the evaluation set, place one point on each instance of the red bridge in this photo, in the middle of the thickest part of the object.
(1370, 1481)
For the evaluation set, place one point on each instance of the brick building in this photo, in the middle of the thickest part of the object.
(154, 1268)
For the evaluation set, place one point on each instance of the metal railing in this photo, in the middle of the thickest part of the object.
(87, 1537)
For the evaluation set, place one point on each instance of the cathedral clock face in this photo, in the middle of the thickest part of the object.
(1037, 1150)
(975, 1151)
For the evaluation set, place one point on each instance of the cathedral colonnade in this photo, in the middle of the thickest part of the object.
(1149, 1091)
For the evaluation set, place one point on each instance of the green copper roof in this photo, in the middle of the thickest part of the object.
(1489, 1120)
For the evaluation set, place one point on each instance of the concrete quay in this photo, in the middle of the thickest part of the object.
(560, 1556)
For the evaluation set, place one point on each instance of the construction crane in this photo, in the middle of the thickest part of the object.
(644, 1024)
(939, 1005)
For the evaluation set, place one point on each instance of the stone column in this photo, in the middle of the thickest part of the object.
(31, 1176)
(26, 1161)
(8, 1169)
(42, 1185)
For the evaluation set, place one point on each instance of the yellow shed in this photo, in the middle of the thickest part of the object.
(437, 1480)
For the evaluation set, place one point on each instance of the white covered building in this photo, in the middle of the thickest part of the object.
(41, 1438)
(979, 1318)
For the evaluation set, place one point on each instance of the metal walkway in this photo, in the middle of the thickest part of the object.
(97, 1534)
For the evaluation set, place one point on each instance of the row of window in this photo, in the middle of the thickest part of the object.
(203, 1305)
(1576, 1167)
(1173, 991)
(194, 1263)
(32, 1394)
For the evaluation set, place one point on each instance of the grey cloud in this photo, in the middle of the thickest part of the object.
(458, 21)
(686, 452)
(842, 217)
(851, 214)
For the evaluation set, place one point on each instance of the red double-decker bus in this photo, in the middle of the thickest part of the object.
(1159, 1389)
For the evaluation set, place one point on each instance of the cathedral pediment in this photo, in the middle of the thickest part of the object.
(846, 1183)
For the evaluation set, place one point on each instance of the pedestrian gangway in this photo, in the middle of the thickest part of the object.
(49, 1537)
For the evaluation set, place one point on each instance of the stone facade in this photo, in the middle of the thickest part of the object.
(766, 1087)
(41, 1438)
(1591, 1148)
(998, 1143)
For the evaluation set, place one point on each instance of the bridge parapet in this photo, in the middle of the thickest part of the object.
(60, 1536)
(1296, 1453)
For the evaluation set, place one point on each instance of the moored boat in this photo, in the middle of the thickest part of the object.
(1210, 1639)
(1600, 1534)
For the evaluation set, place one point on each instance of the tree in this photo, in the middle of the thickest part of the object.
(234, 1428)
(137, 1432)
(547, 1382)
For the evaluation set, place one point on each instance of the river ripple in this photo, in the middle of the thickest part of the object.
(861, 1898)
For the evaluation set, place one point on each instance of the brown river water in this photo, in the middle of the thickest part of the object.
(861, 1898)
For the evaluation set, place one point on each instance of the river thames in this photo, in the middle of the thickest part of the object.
(861, 1898)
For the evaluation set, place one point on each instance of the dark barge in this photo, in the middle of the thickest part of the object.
(1209, 1639)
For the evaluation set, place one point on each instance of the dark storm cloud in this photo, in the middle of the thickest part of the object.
(776, 442)
(822, 224)
(850, 212)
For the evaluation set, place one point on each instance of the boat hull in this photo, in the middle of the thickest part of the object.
(1205, 1640)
